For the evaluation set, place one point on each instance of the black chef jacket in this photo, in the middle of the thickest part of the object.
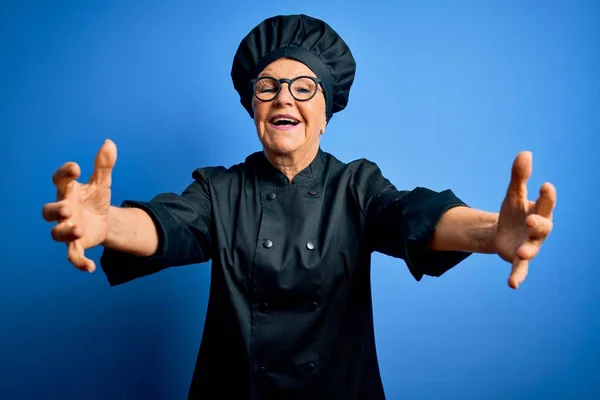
(289, 313)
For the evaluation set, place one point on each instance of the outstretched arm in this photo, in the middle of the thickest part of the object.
(465, 229)
(86, 219)
(516, 233)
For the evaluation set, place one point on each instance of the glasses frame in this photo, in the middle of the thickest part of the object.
(280, 82)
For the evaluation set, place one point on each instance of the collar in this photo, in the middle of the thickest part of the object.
(266, 171)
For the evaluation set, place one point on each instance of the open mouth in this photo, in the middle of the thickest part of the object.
(284, 120)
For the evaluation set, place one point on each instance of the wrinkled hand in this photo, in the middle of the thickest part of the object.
(523, 225)
(81, 210)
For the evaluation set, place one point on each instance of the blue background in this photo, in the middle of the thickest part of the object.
(446, 94)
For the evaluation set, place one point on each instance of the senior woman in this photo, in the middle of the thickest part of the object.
(290, 231)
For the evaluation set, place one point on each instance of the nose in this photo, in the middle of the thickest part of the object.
(284, 96)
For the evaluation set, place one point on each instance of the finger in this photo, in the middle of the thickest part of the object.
(76, 256)
(530, 206)
(103, 164)
(521, 171)
(547, 201)
(66, 174)
(519, 272)
(529, 249)
(539, 227)
(56, 211)
(66, 232)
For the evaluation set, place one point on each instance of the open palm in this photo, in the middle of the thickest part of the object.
(81, 209)
(523, 225)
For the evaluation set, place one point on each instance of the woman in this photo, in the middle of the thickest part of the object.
(290, 231)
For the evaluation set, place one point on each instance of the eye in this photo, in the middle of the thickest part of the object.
(303, 90)
(265, 88)
(266, 85)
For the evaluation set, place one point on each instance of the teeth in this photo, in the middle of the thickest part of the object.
(293, 121)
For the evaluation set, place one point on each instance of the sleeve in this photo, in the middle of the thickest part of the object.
(183, 226)
(401, 223)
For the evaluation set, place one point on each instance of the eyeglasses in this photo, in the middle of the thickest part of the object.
(302, 88)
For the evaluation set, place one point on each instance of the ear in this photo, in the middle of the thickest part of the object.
(325, 122)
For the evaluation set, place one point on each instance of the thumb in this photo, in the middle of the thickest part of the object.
(104, 163)
(519, 271)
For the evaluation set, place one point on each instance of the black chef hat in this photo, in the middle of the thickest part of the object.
(303, 38)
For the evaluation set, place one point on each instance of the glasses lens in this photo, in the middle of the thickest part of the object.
(266, 88)
(303, 88)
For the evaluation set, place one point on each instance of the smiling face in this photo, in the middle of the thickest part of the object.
(287, 127)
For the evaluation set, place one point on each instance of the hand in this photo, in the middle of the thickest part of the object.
(81, 210)
(523, 225)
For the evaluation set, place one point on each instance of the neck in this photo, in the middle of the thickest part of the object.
(291, 164)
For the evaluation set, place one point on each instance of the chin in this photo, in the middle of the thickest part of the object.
(281, 146)
(280, 150)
